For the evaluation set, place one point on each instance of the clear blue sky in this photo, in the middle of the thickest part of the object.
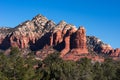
(101, 18)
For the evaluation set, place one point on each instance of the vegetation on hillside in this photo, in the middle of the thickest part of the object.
(15, 67)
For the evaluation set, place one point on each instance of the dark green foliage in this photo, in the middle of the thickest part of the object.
(14, 51)
(109, 69)
(85, 69)
(15, 67)
(98, 72)
(52, 58)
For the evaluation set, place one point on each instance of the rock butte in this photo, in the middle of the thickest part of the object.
(44, 37)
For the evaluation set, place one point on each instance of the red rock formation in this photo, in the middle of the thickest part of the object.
(80, 46)
(67, 41)
(80, 39)
(79, 42)
(17, 41)
(115, 53)
(58, 37)
(106, 48)
(34, 35)
(51, 40)
(64, 32)
(67, 46)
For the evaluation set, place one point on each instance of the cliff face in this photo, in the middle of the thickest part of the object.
(41, 33)
(99, 47)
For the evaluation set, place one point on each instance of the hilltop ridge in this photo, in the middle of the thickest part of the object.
(43, 37)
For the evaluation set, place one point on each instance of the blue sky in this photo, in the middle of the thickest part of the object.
(101, 18)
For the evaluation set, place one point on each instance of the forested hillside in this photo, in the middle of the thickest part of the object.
(14, 66)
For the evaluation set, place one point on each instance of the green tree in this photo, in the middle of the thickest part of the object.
(3, 66)
(14, 51)
(109, 69)
(85, 68)
(98, 72)
(51, 58)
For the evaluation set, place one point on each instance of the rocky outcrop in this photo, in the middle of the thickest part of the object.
(43, 34)
(80, 38)
(58, 37)
(105, 48)
(80, 45)
(97, 46)
(115, 53)
(51, 40)
(66, 46)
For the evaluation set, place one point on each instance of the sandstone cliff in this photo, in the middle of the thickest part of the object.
(41, 34)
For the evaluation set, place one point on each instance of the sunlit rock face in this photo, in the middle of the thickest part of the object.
(43, 34)
(115, 52)
(80, 41)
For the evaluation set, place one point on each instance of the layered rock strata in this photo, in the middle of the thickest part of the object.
(41, 33)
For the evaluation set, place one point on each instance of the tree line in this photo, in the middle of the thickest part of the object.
(16, 67)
